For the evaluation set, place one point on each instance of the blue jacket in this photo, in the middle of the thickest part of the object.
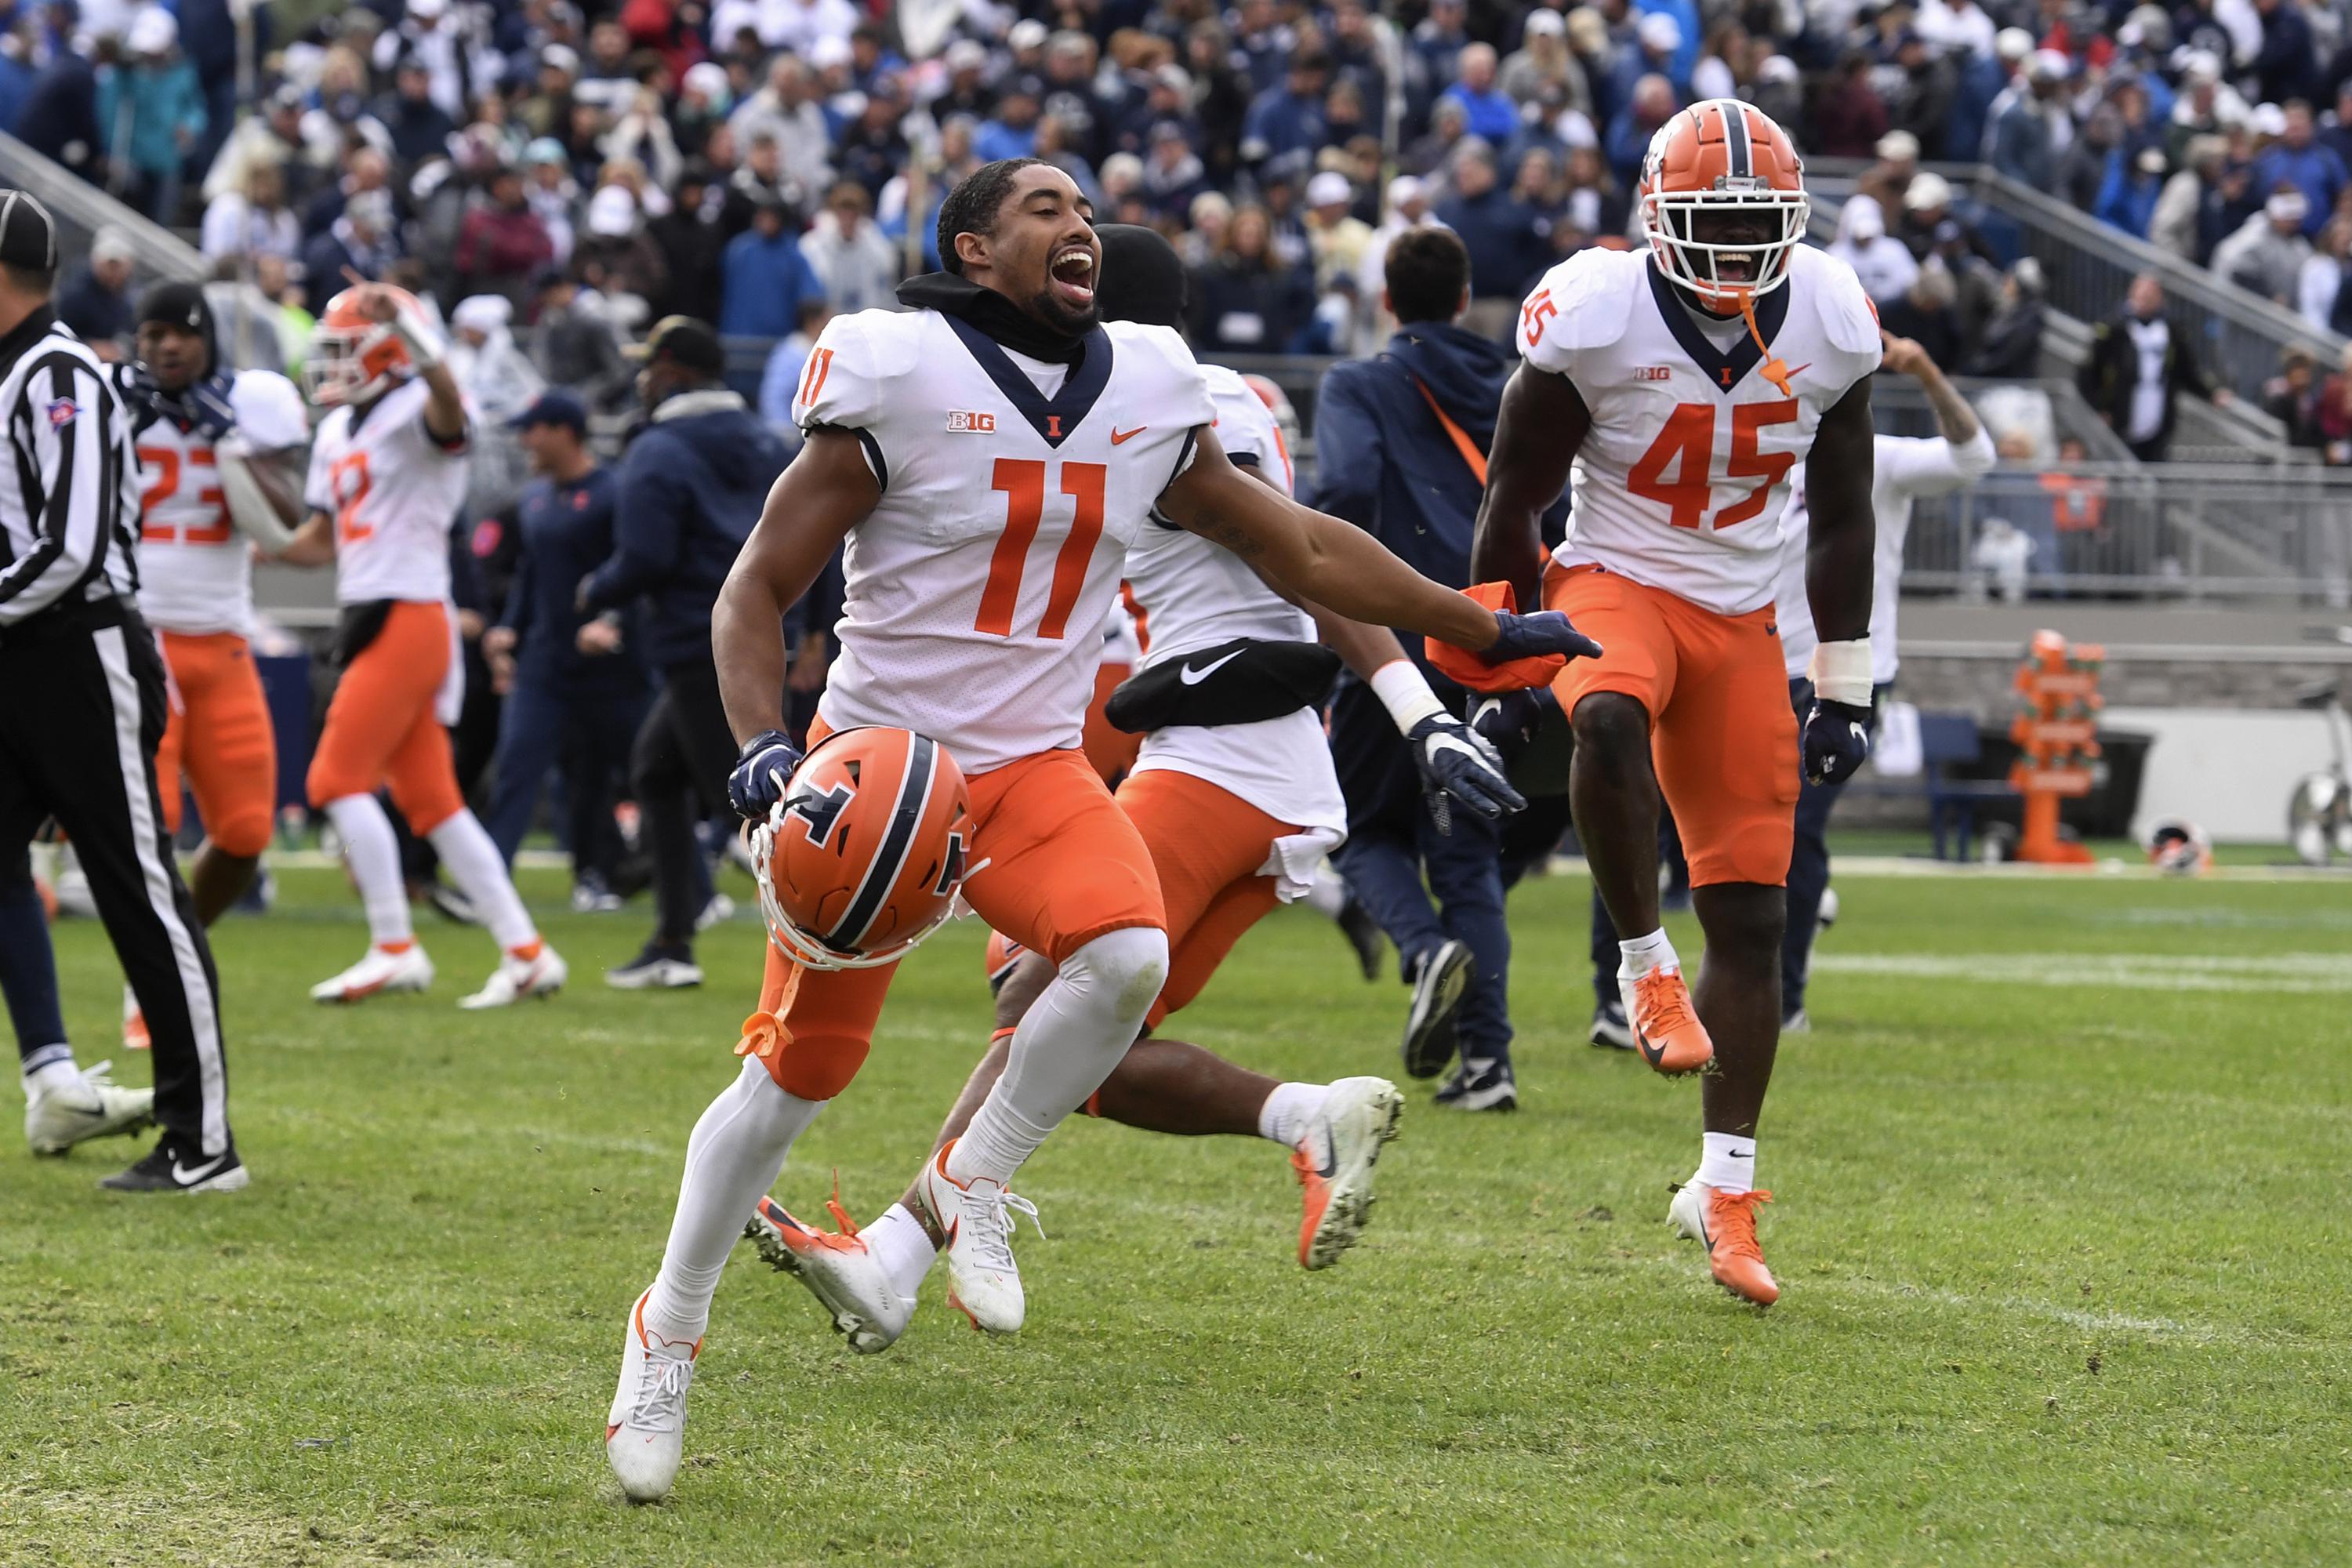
(164, 100)
(1383, 462)
(2315, 171)
(567, 533)
(1491, 114)
(2126, 197)
(1280, 124)
(766, 280)
(1508, 242)
(691, 487)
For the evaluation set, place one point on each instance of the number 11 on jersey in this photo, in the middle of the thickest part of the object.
(1022, 482)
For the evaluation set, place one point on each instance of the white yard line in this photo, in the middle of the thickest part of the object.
(2299, 972)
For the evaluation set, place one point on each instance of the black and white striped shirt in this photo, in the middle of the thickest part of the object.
(69, 478)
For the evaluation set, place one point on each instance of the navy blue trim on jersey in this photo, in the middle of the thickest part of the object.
(1724, 370)
(1055, 417)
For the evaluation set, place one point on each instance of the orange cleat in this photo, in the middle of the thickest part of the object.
(134, 1031)
(1666, 1029)
(839, 1269)
(1726, 1224)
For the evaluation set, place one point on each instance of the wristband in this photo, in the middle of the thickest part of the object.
(1404, 691)
(1840, 672)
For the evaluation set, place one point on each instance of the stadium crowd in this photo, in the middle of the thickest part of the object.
(578, 174)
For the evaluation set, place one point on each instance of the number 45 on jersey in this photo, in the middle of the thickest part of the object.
(1686, 447)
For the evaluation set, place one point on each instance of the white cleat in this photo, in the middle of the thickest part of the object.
(1335, 1161)
(839, 1269)
(379, 972)
(516, 978)
(91, 1106)
(984, 1283)
(644, 1436)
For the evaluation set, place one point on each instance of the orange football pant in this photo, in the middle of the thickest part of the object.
(1111, 750)
(218, 733)
(1207, 844)
(380, 727)
(1722, 734)
(1055, 864)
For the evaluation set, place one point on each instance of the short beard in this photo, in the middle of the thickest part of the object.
(1047, 307)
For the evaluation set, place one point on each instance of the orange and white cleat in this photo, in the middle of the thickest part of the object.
(1724, 1223)
(134, 1024)
(645, 1435)
(839, 1269)
(1334, 1161)
(1666, 1029)
(976, 1218)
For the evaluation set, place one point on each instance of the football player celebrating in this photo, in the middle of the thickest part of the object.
(989, 457)
(387, 476)
(1684, 382)
(1235, 797)
(214, 451)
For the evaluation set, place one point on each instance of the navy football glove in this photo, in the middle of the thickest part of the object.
(1837, 742)
(761, 773)
(1511, 719)
(1457, 763)
(1535, 636)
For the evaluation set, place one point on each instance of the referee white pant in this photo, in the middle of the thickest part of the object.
(81, 713)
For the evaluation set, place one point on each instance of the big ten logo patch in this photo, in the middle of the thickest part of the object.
(981, 424)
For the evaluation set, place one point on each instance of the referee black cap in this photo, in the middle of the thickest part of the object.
(177, 304)
(28, 236)
(1143, 277)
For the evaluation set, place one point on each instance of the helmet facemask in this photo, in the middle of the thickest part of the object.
(1723, 276)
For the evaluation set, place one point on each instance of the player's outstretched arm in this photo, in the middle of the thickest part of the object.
(1844, 535)
(313, 543)
(813, 504)
(1315, 557)
(1541, 424)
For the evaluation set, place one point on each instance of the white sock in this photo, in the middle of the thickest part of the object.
(1645, 953)
(1328, 896)
(1284, 1116)
(1076, 1033)
(1727, 1164)
(54, 1072)
(902, 1246)
(473, 861)
(373, 855)
(733, 1157)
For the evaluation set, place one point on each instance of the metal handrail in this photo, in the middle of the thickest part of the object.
(83, 209)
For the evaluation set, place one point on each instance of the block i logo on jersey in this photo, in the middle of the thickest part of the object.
(981, 424)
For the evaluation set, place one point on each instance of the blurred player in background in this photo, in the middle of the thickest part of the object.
(1234, 797)
(387, 476)
(219, 455)
(989, 457)
(1683, 382)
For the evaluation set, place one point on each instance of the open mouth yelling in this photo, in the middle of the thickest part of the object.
(1073, 272)
(1735, 267)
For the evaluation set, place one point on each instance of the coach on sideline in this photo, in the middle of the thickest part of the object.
(1400, 447)
(81, 711)
(691, 487)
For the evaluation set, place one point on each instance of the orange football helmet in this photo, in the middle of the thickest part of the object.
(1722, 156)
(862, 857)
(999, 959)
(355, 359)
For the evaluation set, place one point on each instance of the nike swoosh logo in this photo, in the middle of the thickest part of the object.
(1641, 1043)
(1191, 676)
(1797, 370)
(1743, 1154)
(184, 1176)
(1121, 437)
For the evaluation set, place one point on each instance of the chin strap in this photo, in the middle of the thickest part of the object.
(1773, 369)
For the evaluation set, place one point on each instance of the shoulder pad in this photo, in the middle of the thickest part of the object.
(1847, 317)
(1591, 295)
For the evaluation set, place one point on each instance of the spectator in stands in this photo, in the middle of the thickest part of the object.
(1286, 122)
(2309, 165)
(575, 345)
(2266, 254)
(2187, 218)
(1012, 132)
(780, 378)
(1927, 87)
(1657, 50)
(553, 194)
(2010, 347)
(2335, 413)
(253, 220)
(1055, 145)
(2082, 167)
(2138, 366)
(2206, 105)
(96, 301)
(59, 118)
(871, 148)
(2128, 195)
(2337, 135)
(766, 278)
(856, 268)
(1246, 300)
(419, 126)
(2025, 136)
(617, 258)
(2287, 67)
(1172, 174)
(786, 116)
(1884, 263)
(2321, 281)
(692, 245)
(453, 49)
(1894, 166)
(1653, 103)
(1849, 116)
(1507, 244)
(1335, 238)
(1926, 314)
(1488, 110)
(2291, 397)
(1428, 153)
(501, 244)
(363, 239)
(1544, 70)
(152, 108)
(274, 136)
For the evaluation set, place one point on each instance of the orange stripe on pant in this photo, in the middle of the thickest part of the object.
(219, 735)
(1721, 731)
(380, 727)
(1057, 865)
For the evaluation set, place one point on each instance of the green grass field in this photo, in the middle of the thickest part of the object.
(2061, 1232)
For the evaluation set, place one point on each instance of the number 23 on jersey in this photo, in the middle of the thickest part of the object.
(1687, 446)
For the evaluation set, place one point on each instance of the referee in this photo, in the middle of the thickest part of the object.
(82, 697)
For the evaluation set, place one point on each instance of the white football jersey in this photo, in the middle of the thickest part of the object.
(1908, 467)
(1188, 594)
(1011, 491)
(393, 492)
(195, 573)
(1681, 481)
